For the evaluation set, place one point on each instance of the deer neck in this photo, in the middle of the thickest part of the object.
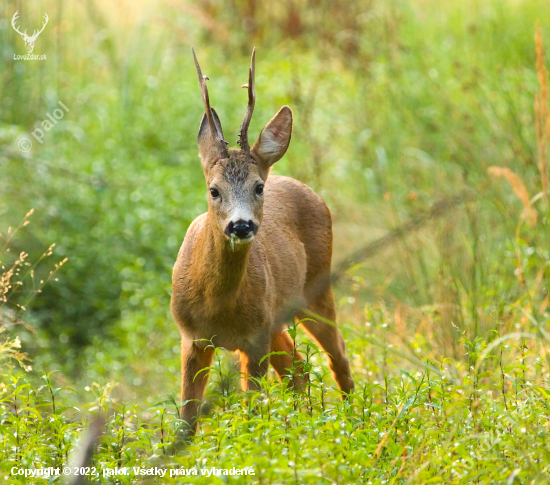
(224, 268)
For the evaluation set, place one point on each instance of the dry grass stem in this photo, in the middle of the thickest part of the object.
(519, 188)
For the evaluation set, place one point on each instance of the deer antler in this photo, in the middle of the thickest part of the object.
(37, 33)
(243, 134)
(216, 133)
(13, 19)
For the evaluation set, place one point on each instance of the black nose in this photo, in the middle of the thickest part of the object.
(241, 229)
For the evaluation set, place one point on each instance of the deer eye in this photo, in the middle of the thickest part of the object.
(214, 193)
(260, 189)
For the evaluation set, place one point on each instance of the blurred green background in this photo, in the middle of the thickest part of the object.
(397, 104)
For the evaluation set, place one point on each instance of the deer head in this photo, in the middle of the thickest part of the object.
(29, 41)
(235, 177)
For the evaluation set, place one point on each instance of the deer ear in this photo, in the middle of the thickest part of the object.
(209, 147)
(274, 139)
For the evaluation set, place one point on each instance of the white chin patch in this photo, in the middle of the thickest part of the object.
(245, 240)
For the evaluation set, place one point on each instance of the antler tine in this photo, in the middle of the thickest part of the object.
(243, 134)
(36, 33)
(206, 101)
(46, 18)
(13, 20)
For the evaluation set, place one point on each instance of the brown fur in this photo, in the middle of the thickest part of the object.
(237, 297)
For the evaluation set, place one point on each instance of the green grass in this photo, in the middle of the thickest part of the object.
(397, 105)
(439, 424)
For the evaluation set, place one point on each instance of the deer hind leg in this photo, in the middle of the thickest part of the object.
(281, 342)
(253, 364)
(329, 339)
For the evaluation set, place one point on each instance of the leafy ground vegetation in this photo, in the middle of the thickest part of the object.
(397, 105)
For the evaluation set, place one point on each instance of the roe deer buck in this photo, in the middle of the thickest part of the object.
(262, 244)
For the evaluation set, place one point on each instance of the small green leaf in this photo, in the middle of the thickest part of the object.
(282, 352)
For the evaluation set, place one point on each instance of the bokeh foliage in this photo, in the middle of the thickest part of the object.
(396, 104)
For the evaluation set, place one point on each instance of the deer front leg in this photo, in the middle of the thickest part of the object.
(251, 369)
(193, 359)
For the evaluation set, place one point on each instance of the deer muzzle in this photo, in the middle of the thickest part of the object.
(243, 231)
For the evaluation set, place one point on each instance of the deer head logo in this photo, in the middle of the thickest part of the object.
(29, 41)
